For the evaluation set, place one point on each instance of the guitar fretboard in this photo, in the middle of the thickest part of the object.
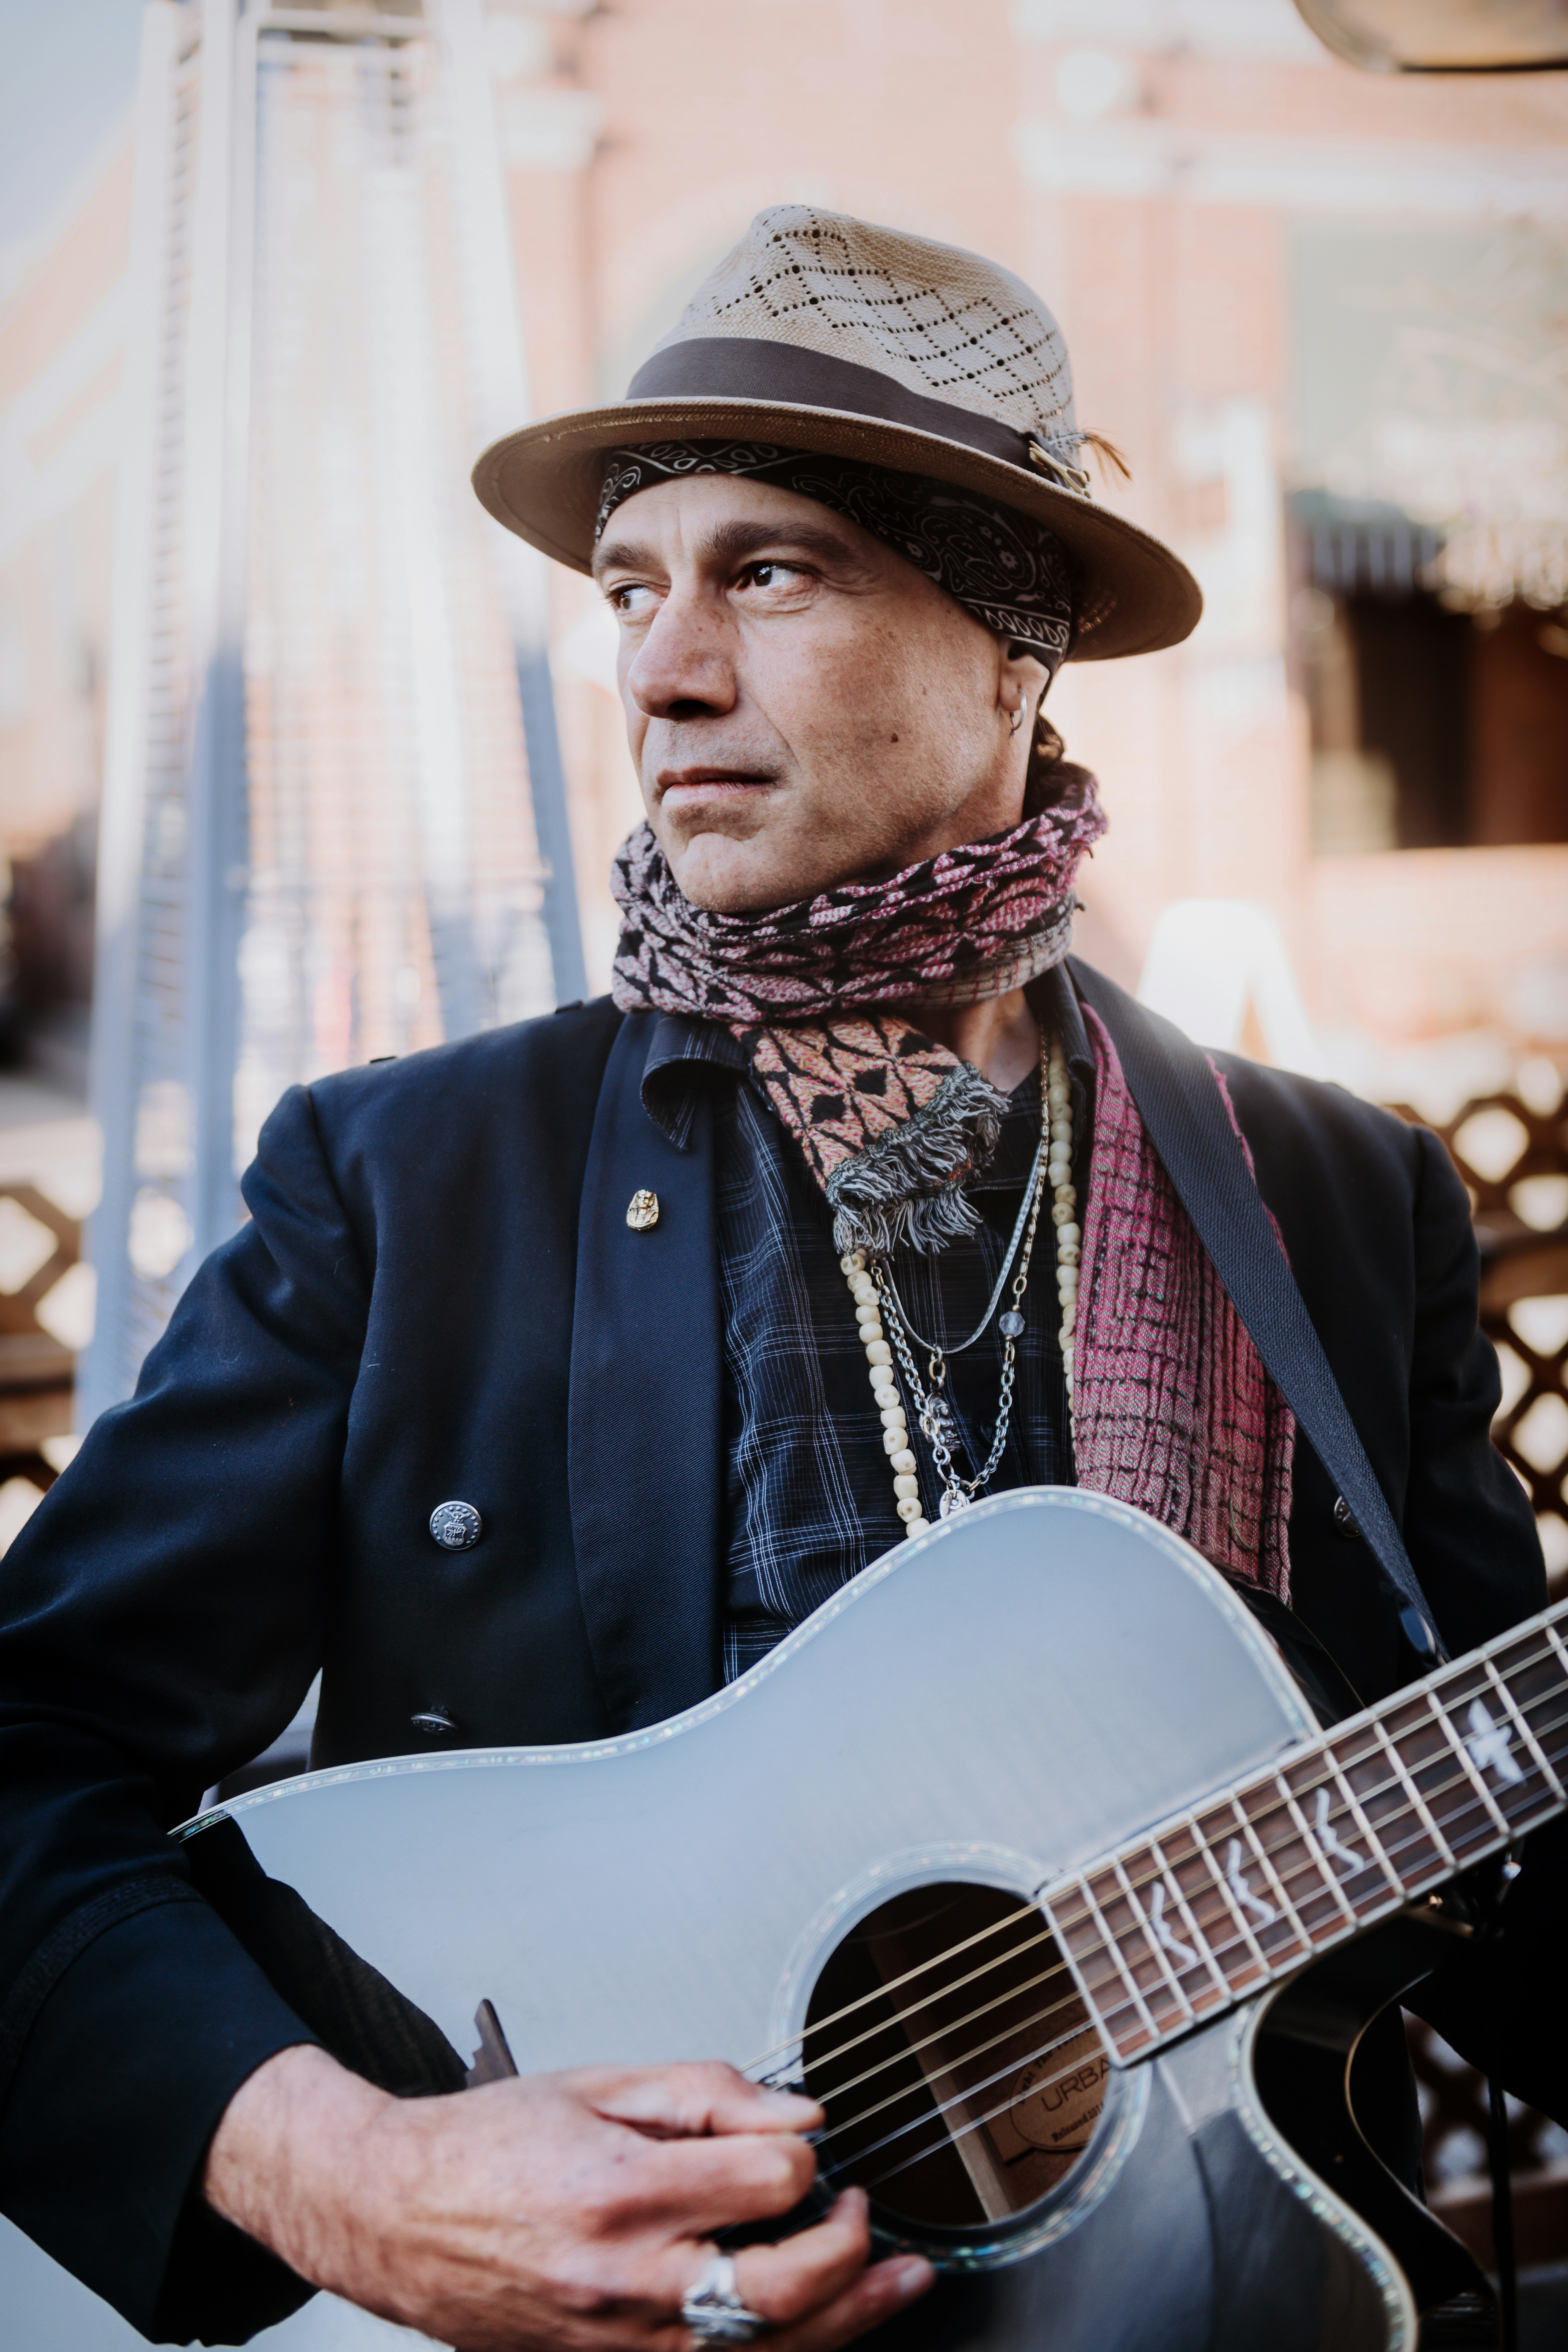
(1214, 1905)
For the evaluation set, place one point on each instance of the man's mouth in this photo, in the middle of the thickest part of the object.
(689, 788)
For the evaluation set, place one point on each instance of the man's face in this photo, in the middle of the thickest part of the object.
(804, 706)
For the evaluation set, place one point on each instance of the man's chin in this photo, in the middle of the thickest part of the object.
(725, 877)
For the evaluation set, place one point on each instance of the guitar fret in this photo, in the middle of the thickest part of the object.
(1423, 1858)
(1158, 1892)
(1460, 1818)
(1321, 1908)
(1280, 1939)
(1211, 1905)
(1386, 1802)
(1536, 1682)
(1277, 1833)
(1539, 1766)
(1098, 1963)
(1496, 1745)
(1488, 1820)
(1366, 1881)
(1208, 1906)
(1144, 1937)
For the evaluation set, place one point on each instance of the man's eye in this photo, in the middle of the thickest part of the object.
(771, 573)
(628, 601)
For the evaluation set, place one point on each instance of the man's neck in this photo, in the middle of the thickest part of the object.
(999, 1036)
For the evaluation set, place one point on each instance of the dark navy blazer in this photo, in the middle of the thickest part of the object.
(437, 1298)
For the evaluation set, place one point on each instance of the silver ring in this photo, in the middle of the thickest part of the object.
(713, 2310)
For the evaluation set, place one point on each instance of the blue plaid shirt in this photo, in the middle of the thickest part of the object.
(809, 1493)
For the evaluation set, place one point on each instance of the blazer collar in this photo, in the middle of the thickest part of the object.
(645, 1462)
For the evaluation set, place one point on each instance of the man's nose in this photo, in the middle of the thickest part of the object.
(685, 665)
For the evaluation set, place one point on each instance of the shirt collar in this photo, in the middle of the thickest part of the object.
(680, 1054)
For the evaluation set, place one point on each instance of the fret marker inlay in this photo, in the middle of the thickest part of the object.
(1162, 1934)
(1488, 1744)
(1235, 1879)
(1330, 1840)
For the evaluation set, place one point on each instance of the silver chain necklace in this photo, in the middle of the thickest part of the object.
(879, 1309)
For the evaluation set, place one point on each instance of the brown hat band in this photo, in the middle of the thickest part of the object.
(746, 367)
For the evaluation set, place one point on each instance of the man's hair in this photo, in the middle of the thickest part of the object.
(1051, 774)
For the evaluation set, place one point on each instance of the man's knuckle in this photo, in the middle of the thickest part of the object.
(586, 2282)
(781, 2173)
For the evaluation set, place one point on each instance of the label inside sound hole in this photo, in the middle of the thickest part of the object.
(1053, 2111)
(946, 2039)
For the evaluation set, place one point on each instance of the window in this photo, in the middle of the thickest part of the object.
(1433, 727)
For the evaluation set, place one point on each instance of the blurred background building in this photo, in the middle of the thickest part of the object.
(1323, 313)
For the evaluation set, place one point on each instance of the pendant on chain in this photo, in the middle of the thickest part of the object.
(872, 1288)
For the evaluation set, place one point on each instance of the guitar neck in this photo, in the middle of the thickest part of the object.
(1388, 1807)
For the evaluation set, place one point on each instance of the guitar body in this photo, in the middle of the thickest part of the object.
(989, 1707)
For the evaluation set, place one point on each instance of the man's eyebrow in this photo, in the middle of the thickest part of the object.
(729, 543)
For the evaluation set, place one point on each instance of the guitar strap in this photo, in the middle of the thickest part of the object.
(1184, 1113)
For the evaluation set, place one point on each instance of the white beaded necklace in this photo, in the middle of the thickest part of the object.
(871, 1288)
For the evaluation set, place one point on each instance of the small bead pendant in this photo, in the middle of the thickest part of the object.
(1011, 1325)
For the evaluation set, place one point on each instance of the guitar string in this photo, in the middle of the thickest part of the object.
(838, 2129)
(950, 2138)
(1030, 1910)
(1338, 1813)
(911, 2049)
(826, 2057)
(1310, 1861)
(977, 2051)
(1218, 1951)
(949, 2066)
(966, 2058)
(1014, 2066)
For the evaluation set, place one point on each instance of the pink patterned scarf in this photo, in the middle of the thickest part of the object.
(891, 1123)
(1175, 1410)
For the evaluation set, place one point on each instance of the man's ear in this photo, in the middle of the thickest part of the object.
(1021, 681)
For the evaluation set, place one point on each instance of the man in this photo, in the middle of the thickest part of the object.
(560, 1371)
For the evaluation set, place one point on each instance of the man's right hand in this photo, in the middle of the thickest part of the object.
(551, 2212)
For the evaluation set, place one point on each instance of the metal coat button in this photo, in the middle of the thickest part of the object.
(432, 1724)
(456, 1526)
(1345, 1526)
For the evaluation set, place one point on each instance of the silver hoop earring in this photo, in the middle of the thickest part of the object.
(1017, 721)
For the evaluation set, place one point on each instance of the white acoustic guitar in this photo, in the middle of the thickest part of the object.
(1024, 1854)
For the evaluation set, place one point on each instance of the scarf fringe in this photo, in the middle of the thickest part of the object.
(907, 1186)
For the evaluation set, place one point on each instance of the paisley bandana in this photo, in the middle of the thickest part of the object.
(1010, 572)
(891, 1124)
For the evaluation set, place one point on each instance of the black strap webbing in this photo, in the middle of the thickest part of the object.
(1173, 1088)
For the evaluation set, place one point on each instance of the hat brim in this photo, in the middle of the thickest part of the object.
(544, 483)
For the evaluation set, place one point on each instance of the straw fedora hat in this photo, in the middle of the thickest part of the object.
(829, 334)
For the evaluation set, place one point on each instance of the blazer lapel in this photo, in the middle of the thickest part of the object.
(645, 1445)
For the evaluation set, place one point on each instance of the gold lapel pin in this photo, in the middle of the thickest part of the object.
(643, 1214)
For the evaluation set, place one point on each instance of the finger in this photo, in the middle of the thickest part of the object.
(877, 2294)
(696, 2187)
(788, 2282)
(785, 2281)
(690, 2101)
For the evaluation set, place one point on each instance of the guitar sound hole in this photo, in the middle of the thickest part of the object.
(947, 2042)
